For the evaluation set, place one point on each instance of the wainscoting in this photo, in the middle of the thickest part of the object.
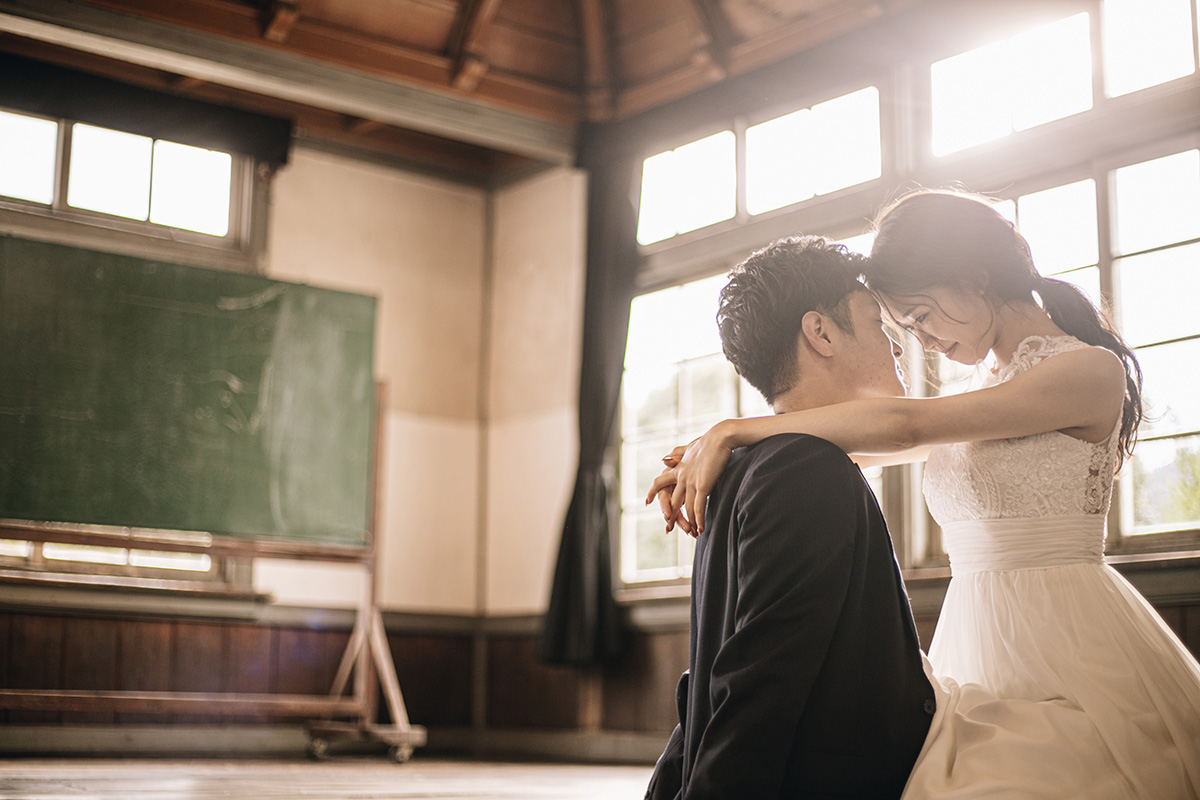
(476, 684)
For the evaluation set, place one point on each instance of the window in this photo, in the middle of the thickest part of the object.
(677, 384)
(1156, 252)
(1110, 203)
(688, 188)
(1013, 85)
(813, 151)
(809, 152)
(110, 178)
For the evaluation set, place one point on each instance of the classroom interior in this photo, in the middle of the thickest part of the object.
(482, 171)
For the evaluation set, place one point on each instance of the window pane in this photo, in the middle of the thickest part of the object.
(1052, 72)
(984, 94)
(16, 548)
(1166, 483)
(688, 188)
(1146, 42)
(1060, 226)
(190, 189)
(652, 548)
(28, 150)
(970, 94)
(1158, 294)
(778, 158)
(846, 141)
(1169, 390)
(158, 559)
(752, 403)
(656, 219)
(650, 398)
(1157, 202)
(86, 553)
(708, 391)
(110, 172)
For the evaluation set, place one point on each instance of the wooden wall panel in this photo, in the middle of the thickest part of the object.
(522, 692)
(5, 649)
(198, 664)
(308, 660)
(145, 661)
(639, 691)
(250, 653)
(435, 674)
(89, 658)
(35, 661)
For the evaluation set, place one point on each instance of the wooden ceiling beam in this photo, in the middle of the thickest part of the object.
(253, 68)
(718, 30)
(470, 64)
(598, 59)
(279, 18)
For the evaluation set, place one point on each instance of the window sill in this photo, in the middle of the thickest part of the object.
(106, 594)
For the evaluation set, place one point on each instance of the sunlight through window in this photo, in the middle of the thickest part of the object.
(1028, 80)
(28, 148)
(190, 189)
(813, 151)
(687, 188)
(1146, 42)
(110, 172)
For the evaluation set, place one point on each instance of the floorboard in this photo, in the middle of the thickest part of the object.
(340, 778)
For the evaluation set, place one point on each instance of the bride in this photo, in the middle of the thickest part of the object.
(1019, 476)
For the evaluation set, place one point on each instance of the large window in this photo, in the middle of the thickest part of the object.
(1116, 214)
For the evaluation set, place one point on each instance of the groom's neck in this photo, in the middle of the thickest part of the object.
(812, 394)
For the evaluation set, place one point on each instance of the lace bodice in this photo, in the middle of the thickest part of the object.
(1048, 474)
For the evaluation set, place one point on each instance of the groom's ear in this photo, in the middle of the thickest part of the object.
(817, 329)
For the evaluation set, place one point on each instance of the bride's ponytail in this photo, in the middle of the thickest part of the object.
(1071, 310)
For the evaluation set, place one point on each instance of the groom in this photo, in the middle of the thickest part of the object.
(806, 678)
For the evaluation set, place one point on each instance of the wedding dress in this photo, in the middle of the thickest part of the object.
(1055, 677)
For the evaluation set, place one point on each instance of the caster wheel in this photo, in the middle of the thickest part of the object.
(400, 753)
(318, 749)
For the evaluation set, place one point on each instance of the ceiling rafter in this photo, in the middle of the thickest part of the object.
(599, 61)
(718, 31)
(470, 64)
(278, 19)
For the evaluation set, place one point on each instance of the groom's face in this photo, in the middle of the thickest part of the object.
(872, 358)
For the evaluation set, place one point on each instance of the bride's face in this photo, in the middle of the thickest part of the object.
(957, 324)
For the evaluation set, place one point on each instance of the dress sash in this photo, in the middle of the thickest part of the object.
(989, 545)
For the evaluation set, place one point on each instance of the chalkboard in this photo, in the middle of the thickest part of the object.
(146, 394)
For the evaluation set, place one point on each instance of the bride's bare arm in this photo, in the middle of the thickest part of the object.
(1079, 392)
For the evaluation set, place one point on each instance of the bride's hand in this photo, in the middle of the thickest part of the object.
(691, 473)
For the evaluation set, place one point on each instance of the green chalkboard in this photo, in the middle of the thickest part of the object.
(145, 394)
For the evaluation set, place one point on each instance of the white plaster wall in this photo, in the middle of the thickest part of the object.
(536, 328)
(418, 246)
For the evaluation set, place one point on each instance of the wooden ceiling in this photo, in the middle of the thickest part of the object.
(533, 68)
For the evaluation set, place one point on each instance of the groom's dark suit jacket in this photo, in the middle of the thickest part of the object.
(805, 668)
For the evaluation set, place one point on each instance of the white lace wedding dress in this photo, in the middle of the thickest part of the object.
(1055, 677)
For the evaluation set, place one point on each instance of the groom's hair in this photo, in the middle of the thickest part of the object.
(762, 307)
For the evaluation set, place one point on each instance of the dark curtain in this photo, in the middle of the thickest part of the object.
(53, 91)
(583, 625)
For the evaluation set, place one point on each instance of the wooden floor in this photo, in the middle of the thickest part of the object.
(340, 778)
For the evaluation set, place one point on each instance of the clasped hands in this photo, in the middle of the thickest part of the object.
(690, 473)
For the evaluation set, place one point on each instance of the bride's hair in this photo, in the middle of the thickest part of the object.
(934, 237)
